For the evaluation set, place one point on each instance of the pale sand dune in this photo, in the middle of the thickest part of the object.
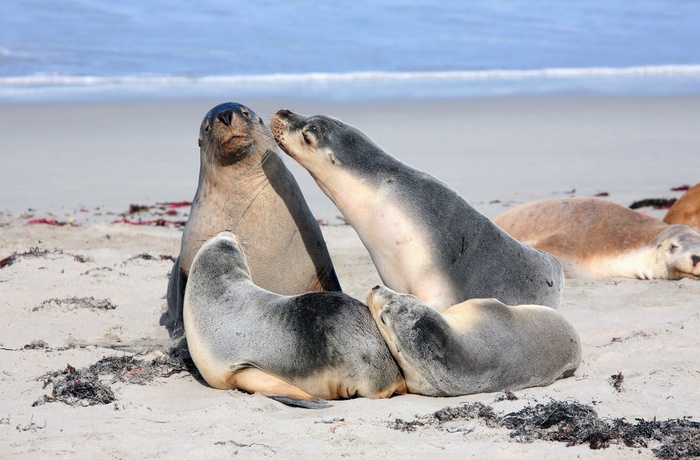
(648, 331)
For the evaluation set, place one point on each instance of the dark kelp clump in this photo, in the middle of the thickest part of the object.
(92, 385)
(572, 423)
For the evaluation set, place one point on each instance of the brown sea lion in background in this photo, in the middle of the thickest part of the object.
(245, 187)
(686, 210)
(598, 238)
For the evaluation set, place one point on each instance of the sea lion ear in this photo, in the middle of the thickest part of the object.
(199, 142)
(333, 159)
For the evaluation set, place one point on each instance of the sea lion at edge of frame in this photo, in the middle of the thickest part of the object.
(596, 238)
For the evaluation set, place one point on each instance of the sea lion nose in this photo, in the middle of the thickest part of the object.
(225, 117)
(695, 259)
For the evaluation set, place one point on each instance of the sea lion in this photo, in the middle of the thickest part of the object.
(598, 238)
(423, 237)
(244, 186)
(293, 348)
(477, 346)
(686, 210)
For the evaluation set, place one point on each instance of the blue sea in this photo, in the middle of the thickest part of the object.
(60, 50)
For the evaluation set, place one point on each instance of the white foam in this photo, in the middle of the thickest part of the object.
(378, 76)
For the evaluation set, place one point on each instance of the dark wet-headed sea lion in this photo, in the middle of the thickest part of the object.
(245, 187)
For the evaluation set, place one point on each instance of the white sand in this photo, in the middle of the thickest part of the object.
(649, 331)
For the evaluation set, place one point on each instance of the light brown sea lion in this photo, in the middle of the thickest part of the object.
(245, 187)
(477, 346)
(296, 349)
(597, 238)
(423, 237)
(686, 210)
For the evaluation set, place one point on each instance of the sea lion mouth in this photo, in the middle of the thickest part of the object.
(234, 145)
(235, 139)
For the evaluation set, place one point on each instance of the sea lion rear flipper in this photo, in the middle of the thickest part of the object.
(254, 380)
(318, 404)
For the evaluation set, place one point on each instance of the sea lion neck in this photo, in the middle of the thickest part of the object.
(228, 176)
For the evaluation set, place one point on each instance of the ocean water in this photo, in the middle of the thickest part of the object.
(345, 50)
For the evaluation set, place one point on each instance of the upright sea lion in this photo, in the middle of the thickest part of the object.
(597, 238)
(423, 237)
(477, 346)
(293, 348)
(686, 210)
(245, 187)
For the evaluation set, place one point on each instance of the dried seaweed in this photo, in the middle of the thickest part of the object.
(35, 253)
(616, 381)
(572, 423)
(92, 385)
(656, 203)
(74, 303)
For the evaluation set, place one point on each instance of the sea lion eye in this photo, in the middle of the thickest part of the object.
(245, 113)
(672, 248)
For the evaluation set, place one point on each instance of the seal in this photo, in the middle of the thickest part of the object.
(477, 346)
(245, 187)
(686, 210)
(423, 238)
(292, 348)
(599, 239)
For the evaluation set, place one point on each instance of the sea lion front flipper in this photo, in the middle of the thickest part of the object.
(254, 380)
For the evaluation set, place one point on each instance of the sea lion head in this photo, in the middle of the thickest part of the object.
(416, 336)
(321, 142)
(337, 155)
(221, 256)
(679, 251)
(230, 131)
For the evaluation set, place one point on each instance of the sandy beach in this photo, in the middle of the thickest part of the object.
(90, 288)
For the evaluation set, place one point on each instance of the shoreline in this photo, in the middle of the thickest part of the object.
(493, 151)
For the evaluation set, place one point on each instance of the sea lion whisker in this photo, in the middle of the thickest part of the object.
(254, 197)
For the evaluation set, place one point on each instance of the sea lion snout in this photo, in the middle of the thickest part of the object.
(225, 117)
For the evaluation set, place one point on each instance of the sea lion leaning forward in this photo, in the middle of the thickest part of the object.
(686, 210)
(423, 237)
(245, 187)
(477, 346)
(295, 349)
(598, 238)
